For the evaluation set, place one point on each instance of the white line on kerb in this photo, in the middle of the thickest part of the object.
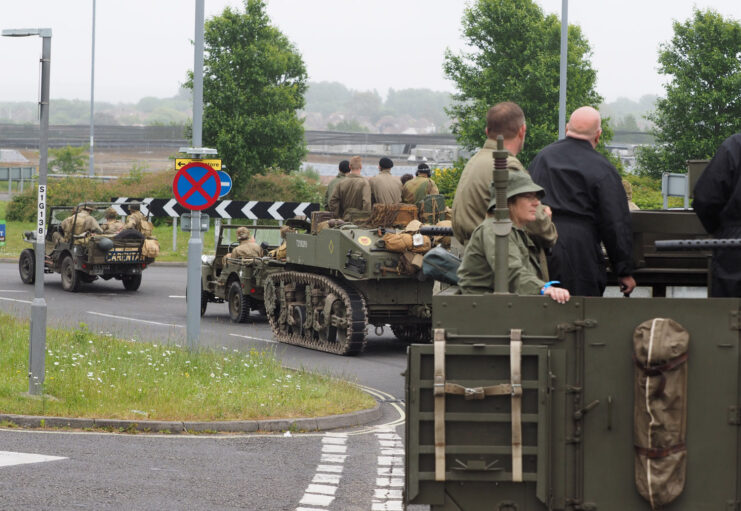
(12, 291)
(254, 338)
(134, 319)
(14, 300)
(176, 296)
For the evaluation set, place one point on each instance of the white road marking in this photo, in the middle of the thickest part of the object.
(321, 490)
(8, 458)
(14, 300)
(176, 296)
(133, 319)
(254, 338)
(12, 291)
(388, 494)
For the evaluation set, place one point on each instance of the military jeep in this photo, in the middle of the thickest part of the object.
(239, 282)
(88, 256)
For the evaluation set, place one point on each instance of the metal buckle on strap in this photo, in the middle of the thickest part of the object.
(474, 393)
(516, 389)
(438, 389)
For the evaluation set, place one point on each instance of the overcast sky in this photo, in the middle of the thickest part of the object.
(143, 46)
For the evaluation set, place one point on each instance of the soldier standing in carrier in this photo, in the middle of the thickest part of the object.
(344, 168)
(248, 247)
(113, 225)
(352, 194)
(717, 203)
(385, 188)
(589, 206)
(419, 187)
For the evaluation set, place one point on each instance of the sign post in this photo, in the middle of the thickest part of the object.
(196, 187)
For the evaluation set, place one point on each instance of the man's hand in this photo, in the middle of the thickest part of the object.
(559, 294)
(627, 285)
(548, 211)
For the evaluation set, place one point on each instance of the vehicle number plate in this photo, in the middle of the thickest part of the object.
(122, 255)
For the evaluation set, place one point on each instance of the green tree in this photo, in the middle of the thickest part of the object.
(703, 98)
(254, 84)
(68, 160)
(347, 125)
(515, 54)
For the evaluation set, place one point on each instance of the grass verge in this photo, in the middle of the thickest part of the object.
(93, 375)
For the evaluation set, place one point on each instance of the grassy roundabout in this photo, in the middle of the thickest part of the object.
(94, 375)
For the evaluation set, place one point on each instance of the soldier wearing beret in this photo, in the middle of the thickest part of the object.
(419, 187)
(385, 188)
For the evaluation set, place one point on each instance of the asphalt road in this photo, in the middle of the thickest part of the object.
(355, 469)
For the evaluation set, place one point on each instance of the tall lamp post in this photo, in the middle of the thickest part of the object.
(37, 349)
(91, 171)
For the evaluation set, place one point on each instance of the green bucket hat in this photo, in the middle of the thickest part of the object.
(517, 182)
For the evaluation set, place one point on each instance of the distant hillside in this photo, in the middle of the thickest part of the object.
(329, 106)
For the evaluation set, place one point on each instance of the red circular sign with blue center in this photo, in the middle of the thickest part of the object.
(196, 186)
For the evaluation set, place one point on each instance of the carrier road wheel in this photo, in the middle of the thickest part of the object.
(70, 277)
(239, 307)
(132, 282)
(27, 266)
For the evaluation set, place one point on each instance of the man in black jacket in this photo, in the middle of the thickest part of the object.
(717, 203)
(589, 206)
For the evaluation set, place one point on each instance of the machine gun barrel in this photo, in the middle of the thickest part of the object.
(704, 244)
(431, 230)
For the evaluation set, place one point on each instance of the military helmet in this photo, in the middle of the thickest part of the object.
(518, 182)
(111, 213)
(243, 233)
(133, 206)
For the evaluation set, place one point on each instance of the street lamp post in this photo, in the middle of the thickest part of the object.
(37, 348)
(91, 170)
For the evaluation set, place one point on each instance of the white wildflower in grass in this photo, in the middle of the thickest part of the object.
(56, 363)
(213, 375)
(187, 361)
(128, 353)
(90, 342)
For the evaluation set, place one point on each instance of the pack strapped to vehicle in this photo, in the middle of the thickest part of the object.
(660, 348)
(514, 389)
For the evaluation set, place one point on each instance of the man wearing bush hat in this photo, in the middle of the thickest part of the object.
(83, 222)
(419, 187)
(248, 247)
(385, 188)
(113, 225)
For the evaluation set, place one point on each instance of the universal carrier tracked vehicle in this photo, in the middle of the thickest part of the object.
(602, 404)
(339, 280)
(87, 256)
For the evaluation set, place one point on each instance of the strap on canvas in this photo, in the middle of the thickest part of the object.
(515, 352)
(439, 403)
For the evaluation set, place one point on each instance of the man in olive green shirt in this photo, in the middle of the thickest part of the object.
(419, 187)
(525, 273)
(342, 174)
(352, 194)
(472, 195)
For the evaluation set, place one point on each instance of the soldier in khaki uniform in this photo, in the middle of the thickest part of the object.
(352, 194)
(134, 220)
(83, 222)
(385, 188)
(344, 168)
(248, 247)
(419, 187)
(472, 195)
(113, 225)
(526, 275)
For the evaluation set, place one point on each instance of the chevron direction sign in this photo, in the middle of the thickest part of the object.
(253, 210)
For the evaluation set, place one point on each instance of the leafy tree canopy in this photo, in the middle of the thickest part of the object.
(703, 98)
(515, 57)
(254, 83)
(68, 159)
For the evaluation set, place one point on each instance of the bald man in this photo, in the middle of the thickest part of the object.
(586, 196)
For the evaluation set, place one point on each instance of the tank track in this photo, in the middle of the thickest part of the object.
(293, 297)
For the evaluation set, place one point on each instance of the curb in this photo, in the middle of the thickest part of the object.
(156, 263)
(176, 427)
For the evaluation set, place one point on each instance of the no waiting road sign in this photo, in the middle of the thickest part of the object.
(196, 186)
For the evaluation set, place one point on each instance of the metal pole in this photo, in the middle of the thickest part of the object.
(91, 170)
(564, 61)
(195, 245)
(37, 351)
(175, 234)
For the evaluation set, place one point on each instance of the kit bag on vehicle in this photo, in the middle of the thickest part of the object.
(439, 264)
(431, 209)
(147, 227)
(660, 349)
(151, 248)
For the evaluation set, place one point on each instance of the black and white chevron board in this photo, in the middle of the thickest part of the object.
(254, 210)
